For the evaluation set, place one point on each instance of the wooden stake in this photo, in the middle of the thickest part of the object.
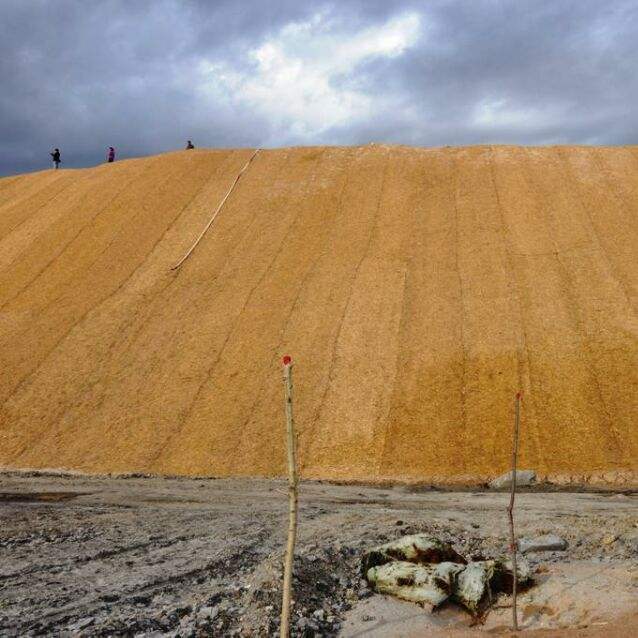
(292, 500)
(510, 509)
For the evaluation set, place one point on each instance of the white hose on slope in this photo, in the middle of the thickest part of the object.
(212, 219)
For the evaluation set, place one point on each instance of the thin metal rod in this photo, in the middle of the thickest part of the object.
(510, 509)
(291, 445)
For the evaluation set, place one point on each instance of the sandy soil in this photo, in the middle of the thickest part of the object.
(149, 556)
(416, 289)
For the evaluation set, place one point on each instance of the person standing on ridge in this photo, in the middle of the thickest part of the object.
(56, 158)
(111, 155)
(189, 145)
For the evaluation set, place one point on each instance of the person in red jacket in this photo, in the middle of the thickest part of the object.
(111, 155)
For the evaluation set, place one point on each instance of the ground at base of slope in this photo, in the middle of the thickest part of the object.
(152, 556)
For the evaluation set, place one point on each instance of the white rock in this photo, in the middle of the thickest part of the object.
(523, 570)
(417, 583)
(82, 624)
(416, 548)
(523, 478)
(472, 583)
(547, 543)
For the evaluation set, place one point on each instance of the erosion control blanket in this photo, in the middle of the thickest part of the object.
(423, 569)
(383, 270)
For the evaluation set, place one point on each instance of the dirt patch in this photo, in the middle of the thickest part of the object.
(39, 497)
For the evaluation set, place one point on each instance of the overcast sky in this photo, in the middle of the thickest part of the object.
(146, 75)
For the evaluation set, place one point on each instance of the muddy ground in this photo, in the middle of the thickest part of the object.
(150, 556)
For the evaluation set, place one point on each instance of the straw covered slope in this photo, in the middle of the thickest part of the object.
(416, 289)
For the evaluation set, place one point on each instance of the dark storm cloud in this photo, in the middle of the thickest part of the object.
(145, 76)
(564, 72)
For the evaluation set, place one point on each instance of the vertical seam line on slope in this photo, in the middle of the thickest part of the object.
(9, 179)
(346, 307)
(457, 236)
(576, 317)
(587, 210)
(625, 287)
(13, 229)
(286, 321)
(102, 301)
(380, 461)
(171, 436)
(8, 183)
(616, 189)
(37, 191)
(401, 330)
(68, 243)
(161, 289)
(522, 349)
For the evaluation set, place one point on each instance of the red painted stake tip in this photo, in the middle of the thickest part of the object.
(518, 395)
(286, 360)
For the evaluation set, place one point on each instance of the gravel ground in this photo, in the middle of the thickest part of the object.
(188, 557)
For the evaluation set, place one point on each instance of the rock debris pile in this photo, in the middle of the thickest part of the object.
(423, 569)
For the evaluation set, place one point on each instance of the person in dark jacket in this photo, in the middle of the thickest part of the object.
(55, 156)
(189, 145)
(111, 155)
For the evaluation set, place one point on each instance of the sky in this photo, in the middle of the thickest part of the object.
(144, 76)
